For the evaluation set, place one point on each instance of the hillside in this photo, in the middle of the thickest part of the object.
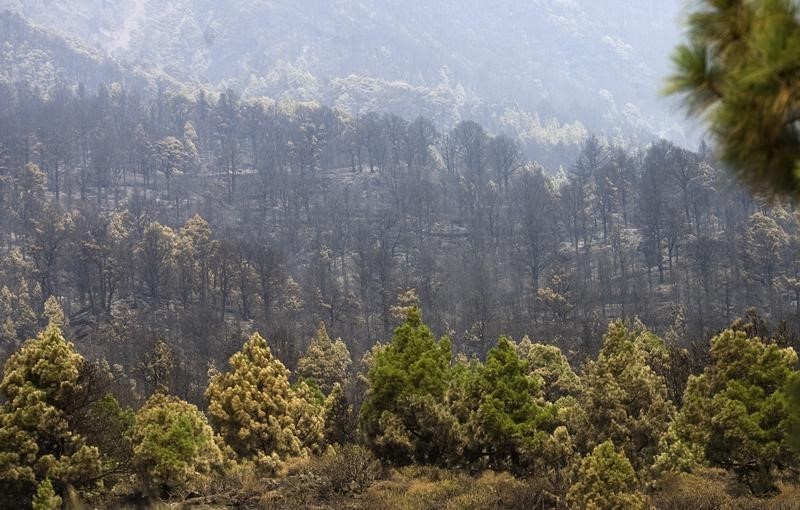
(46, 60)
(163, 235)
(370, 254)
(547, 72)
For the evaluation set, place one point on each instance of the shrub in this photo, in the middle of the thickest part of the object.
(702, 490)
(174, 450)
(349, 469)
(45, 497)
(426, 487)
(606, 480)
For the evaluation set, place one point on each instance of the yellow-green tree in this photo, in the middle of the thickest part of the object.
(54, 313)
(45, 497)
(550, 364)
(308, 412)
(736, 410)
(255, 409)
(606, 480)
(174, 451)
(17, 318)
(42, 383)
(326, 362)
(624, 399)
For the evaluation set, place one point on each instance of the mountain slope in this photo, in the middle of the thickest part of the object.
(41, 58)
(546, 70)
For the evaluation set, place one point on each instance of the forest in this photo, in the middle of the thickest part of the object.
(216, 299)
(589, 317)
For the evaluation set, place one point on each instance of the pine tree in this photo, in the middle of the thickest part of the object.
(508, 423)
(549, 363)
(195, 249)
(174, 449)
(26, 317)
(736, 409)
(172, 157)
(524, 347)
(738, 70)
(340, 423)
(158, 365)
(155, 257)
(25, 322)
(41, 384)
(30, 186)
(405, 417)
(676, 455)
(606, 480)
(55, 314)
(45, 497)
(326, 362)
(406, 301)
(763, 245)
(624, 399)
(108, 427)
(8, 331)
(793, 394)
(257, 412)
(308, 413)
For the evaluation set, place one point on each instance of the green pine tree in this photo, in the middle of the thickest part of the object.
(406, 416)
(738, 70)
(793, 394)
(510, 424)
(736, 410)
(340, 423)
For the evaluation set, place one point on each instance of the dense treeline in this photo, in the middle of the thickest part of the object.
(195, 221)
(615, 436)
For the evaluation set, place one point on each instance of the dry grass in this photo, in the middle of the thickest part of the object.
(352, 479)
(714, 489)
(426, 488)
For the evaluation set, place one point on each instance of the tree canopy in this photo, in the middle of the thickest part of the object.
(43, 384)
(736, 410)
(256, 410)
